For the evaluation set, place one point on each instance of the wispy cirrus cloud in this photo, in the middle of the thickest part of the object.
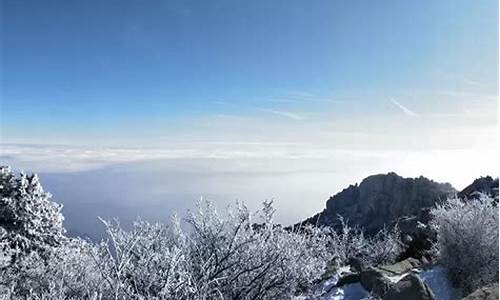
(286, 114)
(218, 102)
(303, 99)
(472, 82)
(468, 95)
(405, 109)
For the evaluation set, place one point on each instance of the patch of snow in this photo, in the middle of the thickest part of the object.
(344, 269)
(326, 285)
(326, 290)
(353, 291)
(396, 278)
(435, 277)
(437, 280)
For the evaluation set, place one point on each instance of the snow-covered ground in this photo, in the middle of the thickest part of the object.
(396, 278)
(438, 282)
(434, 277)
(326, 290)
(348, 291)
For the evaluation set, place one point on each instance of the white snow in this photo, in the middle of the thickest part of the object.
(347, 292)
(344, 269)
(437, 280)
(326, 291)
(435, 277)
(396, 278)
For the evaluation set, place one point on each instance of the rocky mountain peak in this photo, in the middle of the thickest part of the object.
(381, 199)
(485, 185)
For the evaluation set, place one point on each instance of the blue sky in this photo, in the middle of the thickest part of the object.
(237, 79)
(143, 106)
(102, 72)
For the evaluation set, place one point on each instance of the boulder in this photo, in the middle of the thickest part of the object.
(401, 267)
(373, 280)
(348, 279)
(489, 292)
(410, 287)
(418, 237)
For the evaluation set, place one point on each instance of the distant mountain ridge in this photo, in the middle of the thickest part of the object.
(382, 199)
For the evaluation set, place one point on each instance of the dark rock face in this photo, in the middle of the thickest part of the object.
(489, 292)
(348, 278)
(418, 236)
(486, 185)
(400, 267)
(373, 280)
(410, 287)
(356, 264)
(380, 200)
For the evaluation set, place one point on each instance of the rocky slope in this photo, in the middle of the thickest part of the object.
(387, 199)
(381, 200)
(485, 185)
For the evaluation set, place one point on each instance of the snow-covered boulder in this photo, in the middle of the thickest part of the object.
(411, 287)
(399, 268)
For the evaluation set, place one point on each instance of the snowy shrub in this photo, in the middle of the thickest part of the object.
(384, 247)
(468, 240)
(233, 255)
(68, 272)
(148, 262)
(215, 258)
(351, 242)
(237, 260)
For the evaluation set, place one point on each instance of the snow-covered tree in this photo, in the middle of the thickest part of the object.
(29, 220)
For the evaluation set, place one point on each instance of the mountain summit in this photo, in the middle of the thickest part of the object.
(483, 185)
(382, 199)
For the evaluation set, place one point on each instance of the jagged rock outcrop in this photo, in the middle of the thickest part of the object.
(410, 287)
(381, 200)
(418, 236)
(486, 185)
(399, 268)
(374, 281)
(348, 278)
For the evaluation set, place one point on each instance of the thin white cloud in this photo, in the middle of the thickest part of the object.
(285, 114)
(405, 109)
(440, 163)
(47, 158)
(469, 95)
(303, 99)
(473, 82)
